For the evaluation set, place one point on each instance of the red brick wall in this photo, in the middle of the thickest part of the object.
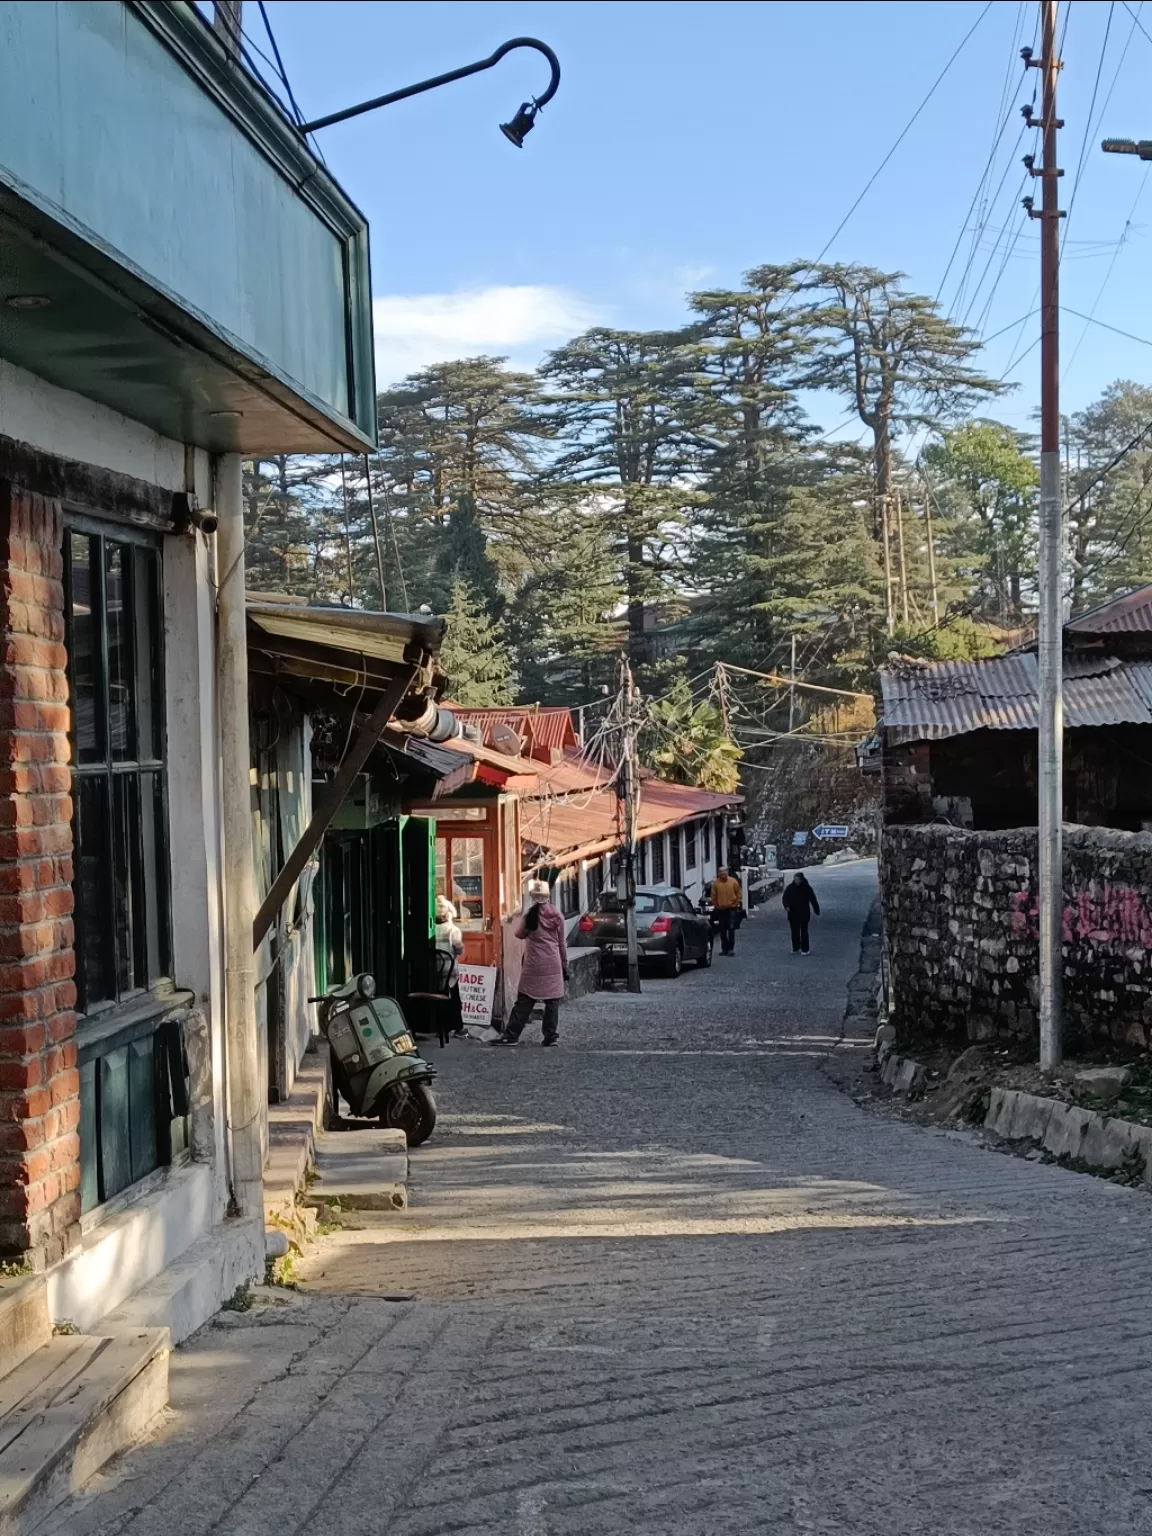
(39, 1080)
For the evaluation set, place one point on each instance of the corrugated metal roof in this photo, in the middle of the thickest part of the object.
(1130, 614)
(385, 636)
(567, 830)
(546, 728)
(951, 698)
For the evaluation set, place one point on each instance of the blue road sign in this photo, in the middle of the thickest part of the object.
(826, 833)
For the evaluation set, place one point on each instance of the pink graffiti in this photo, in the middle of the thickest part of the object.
(1118, 914)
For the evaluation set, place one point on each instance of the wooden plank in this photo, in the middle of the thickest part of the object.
(38, 1466)
(34, 1386)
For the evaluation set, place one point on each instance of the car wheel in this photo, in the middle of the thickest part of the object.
(674, 963)
(705, 959)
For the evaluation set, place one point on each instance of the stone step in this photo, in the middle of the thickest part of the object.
(67, 1409)
(185, 1295)
(363, 1170)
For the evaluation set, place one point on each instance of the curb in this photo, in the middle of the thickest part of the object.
(1066, 1130)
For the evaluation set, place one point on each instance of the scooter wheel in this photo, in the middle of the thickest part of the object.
(411, 1108)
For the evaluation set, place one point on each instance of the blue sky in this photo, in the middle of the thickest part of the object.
(691, 141)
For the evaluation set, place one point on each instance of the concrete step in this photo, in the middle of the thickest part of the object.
(364, 1170)
(67, 1409)
(184, 1296)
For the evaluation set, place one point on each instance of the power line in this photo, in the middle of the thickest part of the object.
(903, 134)
(1111, 265)
(1091, 320)
(1088, 122)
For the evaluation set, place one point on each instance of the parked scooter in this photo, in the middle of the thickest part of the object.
(375, 1065)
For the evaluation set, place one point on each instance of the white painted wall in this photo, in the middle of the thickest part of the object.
(62, 422)
(121, 1255)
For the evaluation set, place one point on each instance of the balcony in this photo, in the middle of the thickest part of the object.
(179, 253)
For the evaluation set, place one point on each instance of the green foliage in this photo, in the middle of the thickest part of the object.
(687, 742)
(988, 482)
(1111, 517)
(474, 654)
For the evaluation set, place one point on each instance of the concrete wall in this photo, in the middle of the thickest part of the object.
(961, 932)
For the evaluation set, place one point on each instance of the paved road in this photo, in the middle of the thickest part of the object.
(670, 1280)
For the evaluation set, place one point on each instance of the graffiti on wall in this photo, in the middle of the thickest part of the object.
(1113, 914)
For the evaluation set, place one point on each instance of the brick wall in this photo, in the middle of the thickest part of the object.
(39, 1081)
(961, 932)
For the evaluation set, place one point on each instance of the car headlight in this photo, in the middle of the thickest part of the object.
(366, 985)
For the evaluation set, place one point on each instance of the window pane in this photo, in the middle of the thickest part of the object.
(96, 975)
(149, 682)
(127, 906)
(467, 893)
(120, 711)
(154, 956)
(84, 660)
(117, 582)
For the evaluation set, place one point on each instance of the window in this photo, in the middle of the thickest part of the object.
(677, 875)
(567, 891)
(595, 882)
(460, 877)
(690, 845)
(640, 864)
(658, 869)
(705, 840)
(114, 637)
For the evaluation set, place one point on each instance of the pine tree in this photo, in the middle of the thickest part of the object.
(474, 655)
(1110, 509)
(621, 417)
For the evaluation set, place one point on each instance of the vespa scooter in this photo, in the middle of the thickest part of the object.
(375, 1066)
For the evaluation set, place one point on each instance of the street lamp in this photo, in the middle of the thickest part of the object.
(515, 131)
(1141, 147)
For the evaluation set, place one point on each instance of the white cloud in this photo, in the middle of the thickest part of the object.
(521, 323)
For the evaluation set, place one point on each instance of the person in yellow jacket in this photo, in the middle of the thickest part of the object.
(726, 897)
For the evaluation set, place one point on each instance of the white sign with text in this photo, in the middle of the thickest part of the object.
(477, 989)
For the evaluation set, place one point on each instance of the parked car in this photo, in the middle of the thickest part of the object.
(669, 930)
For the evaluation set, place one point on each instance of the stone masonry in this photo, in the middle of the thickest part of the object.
(39, 1080)
(961, 931)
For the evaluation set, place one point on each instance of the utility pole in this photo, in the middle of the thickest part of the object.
(630, 786)
(792, 690)
(1051, 618)
(931, 555)
(886, 533)
(903, 563)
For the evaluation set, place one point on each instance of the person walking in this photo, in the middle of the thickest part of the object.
(726, 897)
(450, 943)
(800, 903)
(544, 969)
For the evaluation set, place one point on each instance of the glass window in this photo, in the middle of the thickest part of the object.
(640, 871)
(690, 845)
(706, 840)
(658, 867)
(114, 637)
(567, 892)
(460, 877)
(595, 882)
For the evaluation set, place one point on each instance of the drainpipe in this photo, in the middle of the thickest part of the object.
(245, 1100)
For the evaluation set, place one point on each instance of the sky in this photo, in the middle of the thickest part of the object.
(691, 141)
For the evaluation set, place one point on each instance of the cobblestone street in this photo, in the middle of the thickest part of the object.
(669, 1279)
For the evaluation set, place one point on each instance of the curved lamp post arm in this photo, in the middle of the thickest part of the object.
(520, 124)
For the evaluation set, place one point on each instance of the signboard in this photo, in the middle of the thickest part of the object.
(799, 839)
(825, 832)
(472, 886)
(770, 856)
(477, 988)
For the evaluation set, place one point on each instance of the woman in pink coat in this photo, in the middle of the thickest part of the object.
(544, 969)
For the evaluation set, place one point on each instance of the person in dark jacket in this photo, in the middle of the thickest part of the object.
(800, 903)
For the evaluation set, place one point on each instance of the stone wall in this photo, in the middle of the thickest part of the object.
(961, 932)
(798, 786)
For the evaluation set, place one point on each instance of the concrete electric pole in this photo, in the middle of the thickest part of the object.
(1051, 593)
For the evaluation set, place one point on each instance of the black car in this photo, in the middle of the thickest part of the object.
(669, 929)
